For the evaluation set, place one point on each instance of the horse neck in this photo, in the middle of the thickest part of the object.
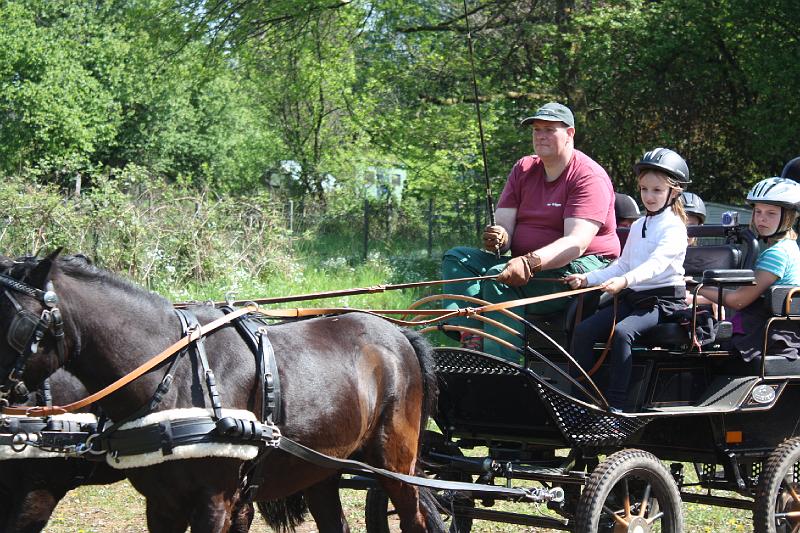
(111, 330)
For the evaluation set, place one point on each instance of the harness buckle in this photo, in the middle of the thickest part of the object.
(275, 440)
(50, 299)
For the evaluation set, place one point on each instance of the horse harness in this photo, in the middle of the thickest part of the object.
(27, 331)
(166, 435)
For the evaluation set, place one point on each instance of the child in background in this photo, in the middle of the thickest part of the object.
(648, 276)
(775, 202)
(695, 209)
(626, 210)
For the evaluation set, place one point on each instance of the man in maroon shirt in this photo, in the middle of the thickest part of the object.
(555, 214)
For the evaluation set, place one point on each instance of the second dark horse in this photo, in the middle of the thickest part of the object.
(352, 386)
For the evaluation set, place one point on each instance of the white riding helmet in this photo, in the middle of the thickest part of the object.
(776, 191)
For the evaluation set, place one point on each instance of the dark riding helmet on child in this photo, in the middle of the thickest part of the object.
(667, 161)
(792, 170)
(670, 163)
(694, 205)
(781, 192)
(625, 207)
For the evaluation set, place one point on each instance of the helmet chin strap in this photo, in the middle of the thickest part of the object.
(667, 204)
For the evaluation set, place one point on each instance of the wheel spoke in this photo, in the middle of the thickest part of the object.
(654, 518)
(645, 501)
(788, 514)
(792, 491)
(626, 498)
(615, 516)
(796, 528)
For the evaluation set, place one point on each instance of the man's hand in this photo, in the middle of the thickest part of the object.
(494, 238)
(576, 281)
(614, 285)
(520, 270)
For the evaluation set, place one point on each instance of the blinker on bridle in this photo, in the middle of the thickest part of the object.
(26, 331)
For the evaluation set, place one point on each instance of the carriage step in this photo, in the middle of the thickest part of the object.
(688, 409)
(725, 393)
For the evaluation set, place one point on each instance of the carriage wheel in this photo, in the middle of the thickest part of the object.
(378, 510)
(631, 491)
(777, 503)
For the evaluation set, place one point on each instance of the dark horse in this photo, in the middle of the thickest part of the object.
(31, 486)
(353, 385)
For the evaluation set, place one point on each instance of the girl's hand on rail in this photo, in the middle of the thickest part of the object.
(576, 281)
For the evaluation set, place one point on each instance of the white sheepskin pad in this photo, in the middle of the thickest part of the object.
(32, 452)
(245, 452)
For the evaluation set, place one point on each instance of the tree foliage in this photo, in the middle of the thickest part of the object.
(221, 94)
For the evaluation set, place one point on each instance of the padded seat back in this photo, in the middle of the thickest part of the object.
(776, 300)
(718, 257)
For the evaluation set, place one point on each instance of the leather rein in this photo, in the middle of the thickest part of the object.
(46, 324)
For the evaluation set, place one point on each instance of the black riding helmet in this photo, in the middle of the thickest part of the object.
(665, 160)
(625, 206)
(668, 162)
(694, 205)
(792, 170)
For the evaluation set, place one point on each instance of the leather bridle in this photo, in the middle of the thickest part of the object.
(26, 332)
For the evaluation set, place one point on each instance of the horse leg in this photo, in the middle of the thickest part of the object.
(242, 517)
(326, 507)
(32, 511)
(213, 513)
(415, 507)
(161, 519)
(406, 502)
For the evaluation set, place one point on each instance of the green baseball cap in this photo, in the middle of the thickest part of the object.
(554, 112)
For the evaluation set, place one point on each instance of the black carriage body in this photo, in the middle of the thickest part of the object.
(686, 405)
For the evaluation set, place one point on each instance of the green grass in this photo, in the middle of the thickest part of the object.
(119, 509)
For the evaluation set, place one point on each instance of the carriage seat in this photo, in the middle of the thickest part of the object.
(719, 257)
(776, 300)
(699, 261)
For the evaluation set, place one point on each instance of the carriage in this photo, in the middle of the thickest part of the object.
(734, 423)
(539, 430)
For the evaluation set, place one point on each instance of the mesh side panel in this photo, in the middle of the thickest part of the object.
(582, 426)
(460, 361)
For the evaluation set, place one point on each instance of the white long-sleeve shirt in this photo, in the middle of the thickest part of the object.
(652, 261)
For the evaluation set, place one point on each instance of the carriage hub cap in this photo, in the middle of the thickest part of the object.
(638, 525)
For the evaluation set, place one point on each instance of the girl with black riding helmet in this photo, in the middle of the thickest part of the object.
(695, 210)
(775, 202)
(648, 276)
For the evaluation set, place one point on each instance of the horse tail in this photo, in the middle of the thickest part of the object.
(427, 365)
(430, 507)
(284, 515)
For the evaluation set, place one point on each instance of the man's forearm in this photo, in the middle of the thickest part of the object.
(560, 252)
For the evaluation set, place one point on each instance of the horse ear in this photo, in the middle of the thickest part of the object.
(41, 272)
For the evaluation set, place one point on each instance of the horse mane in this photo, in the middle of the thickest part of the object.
(79, 266)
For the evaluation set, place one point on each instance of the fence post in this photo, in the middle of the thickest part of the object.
(430, 227)
(291, 217)
(366, 228)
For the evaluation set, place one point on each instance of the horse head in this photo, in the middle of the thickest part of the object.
(32, 344)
